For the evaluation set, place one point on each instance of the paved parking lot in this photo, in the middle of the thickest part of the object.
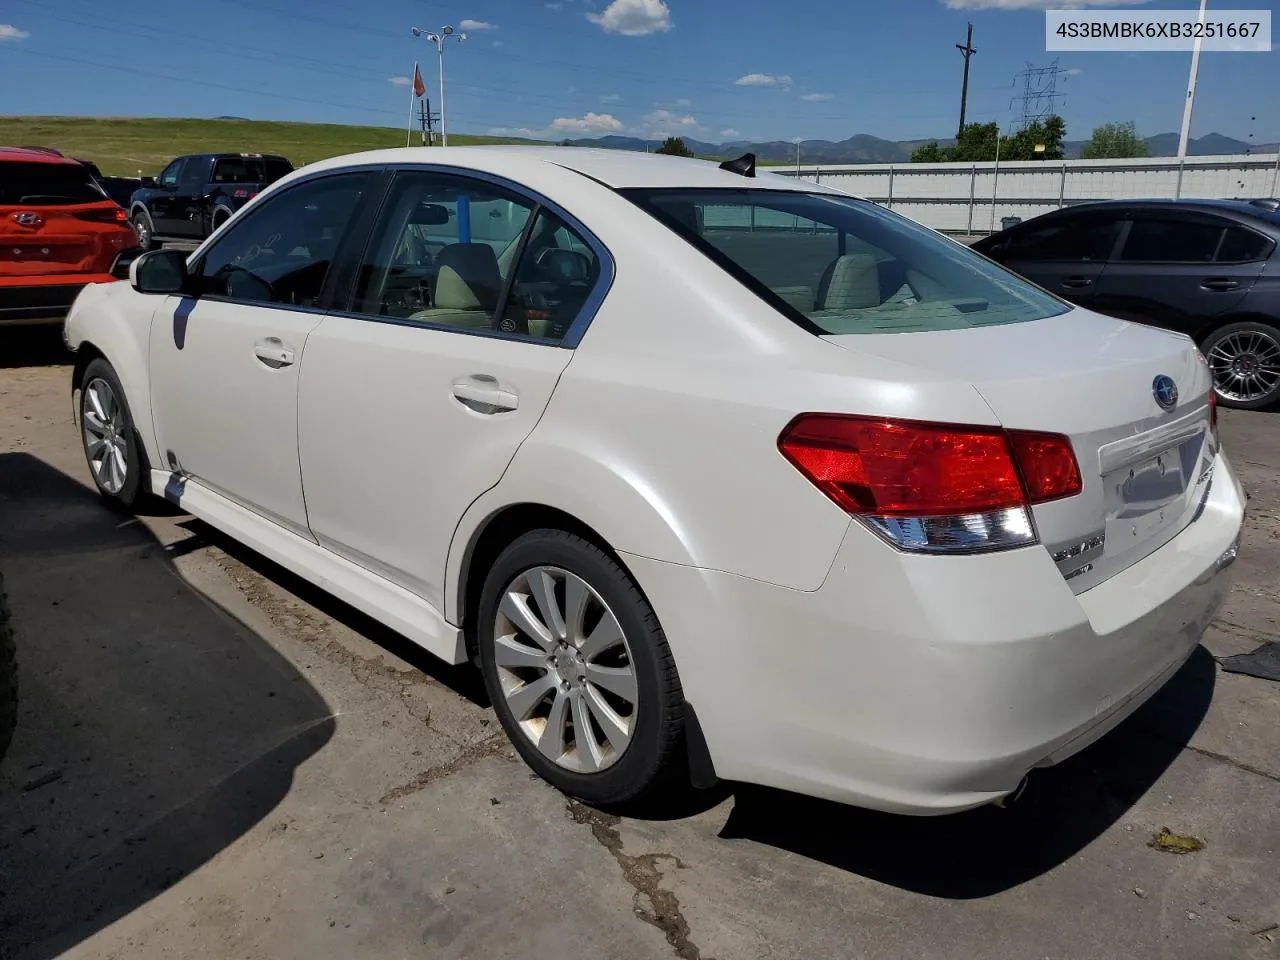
(216, 761)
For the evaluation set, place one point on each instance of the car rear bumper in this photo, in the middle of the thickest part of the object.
(930, 685)
(43, 299)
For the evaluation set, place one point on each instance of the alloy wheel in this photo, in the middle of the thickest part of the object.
(105, 442)
(565, 669)
(1245, 366)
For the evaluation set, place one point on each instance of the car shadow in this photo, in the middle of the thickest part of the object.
(986, 851)
(154, 728)
(35, 345)
(462, 679)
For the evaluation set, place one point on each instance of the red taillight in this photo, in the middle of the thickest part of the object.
(905, 470)
(103, 215)
(241, 193)
(1047, 464)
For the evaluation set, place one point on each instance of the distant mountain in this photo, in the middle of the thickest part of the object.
(864, 148)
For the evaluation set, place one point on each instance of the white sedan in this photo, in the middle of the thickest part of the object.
(715, 474)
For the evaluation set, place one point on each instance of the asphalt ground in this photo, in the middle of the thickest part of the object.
(214, 760)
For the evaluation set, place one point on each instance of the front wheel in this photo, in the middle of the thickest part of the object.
(111, 446)
(579, 670)
(1244, 359)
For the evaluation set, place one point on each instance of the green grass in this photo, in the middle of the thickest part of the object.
(121, 146)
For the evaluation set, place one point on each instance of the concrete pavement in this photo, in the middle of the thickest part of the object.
(214, 760)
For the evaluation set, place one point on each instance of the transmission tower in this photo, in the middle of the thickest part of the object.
(1040, 95)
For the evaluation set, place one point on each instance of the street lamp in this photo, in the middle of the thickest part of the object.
(439, 39)
(797, 141)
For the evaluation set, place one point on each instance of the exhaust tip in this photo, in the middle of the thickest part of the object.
(1009, 799)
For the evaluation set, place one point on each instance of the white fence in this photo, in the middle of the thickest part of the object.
(974, 197)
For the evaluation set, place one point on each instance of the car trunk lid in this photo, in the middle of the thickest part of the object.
(39, 240)
(1144, 468)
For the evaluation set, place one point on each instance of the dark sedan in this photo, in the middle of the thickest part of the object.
(1207, 268)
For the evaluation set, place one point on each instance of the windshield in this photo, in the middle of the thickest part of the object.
(47, 184)
(839, 265)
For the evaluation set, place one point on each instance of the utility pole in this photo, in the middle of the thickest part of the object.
(1190, 104)
(427, 120)
(967, 51)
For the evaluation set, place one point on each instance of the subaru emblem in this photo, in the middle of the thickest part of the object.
(1165, 391)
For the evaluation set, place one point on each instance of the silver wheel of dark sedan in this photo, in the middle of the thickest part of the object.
(1245, 362)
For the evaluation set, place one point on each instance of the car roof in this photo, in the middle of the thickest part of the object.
(29, 155)
(619, 169)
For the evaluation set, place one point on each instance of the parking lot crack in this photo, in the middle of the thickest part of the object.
(652, 904)
(490, 746)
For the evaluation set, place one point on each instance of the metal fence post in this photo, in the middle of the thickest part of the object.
(1062, 185)
(973, 183)
(891, 186)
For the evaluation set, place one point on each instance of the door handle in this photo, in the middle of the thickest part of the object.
(484, 394)
(272, 353)
(1076, 283)
(1216, 283)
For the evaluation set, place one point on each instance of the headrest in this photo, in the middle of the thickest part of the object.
(467, 277)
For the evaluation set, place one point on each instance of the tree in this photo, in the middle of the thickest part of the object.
(977, 144)
(674, 146)
(1114, 140)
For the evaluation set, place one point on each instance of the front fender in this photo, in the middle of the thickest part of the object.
(114, 320)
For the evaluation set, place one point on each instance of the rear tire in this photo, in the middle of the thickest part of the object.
(112, 448)
(8, 675)
(1244, 359)
(145, 230)
(608, 668)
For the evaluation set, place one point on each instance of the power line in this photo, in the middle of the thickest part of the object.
(1040, 95)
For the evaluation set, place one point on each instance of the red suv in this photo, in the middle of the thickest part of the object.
(58, 232)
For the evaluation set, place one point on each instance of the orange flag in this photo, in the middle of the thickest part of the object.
(419, 88)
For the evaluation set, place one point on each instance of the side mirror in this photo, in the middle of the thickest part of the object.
(160, 271)
(147, 181)
(123, 261)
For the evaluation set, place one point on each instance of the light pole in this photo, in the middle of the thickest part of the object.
(797, 141)
(1190, 104)
(439, 40)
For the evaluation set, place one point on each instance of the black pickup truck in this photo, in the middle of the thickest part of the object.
(195, 195)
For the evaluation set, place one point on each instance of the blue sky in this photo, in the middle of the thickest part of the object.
(709, 69)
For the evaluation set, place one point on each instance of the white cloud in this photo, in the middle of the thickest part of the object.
(515, 132)
(610, 98)
(633, 18)
(1038, 4)
(400, 81)
(1074, 72)
(9, 32)
(682, 102)
(477, 25)
(816, 97)
(554, 6)
(664, 123)
(497, 43)
(730, 134)
(763, 80)
(588, 123)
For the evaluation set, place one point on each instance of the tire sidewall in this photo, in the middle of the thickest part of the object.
(1263, 403)
(634, 770)
(134, 462)
(219, 216)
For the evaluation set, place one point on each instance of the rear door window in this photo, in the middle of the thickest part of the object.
(1242, 245)
(1171, 240)
(838, 265)
(47, 184)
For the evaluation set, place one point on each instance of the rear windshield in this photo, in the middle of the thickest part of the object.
(839, 265)
(46, 184)
(262, 170)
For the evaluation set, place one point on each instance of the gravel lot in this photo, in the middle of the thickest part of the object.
(216, 761)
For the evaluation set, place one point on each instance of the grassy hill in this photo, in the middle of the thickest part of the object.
(121, 146)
